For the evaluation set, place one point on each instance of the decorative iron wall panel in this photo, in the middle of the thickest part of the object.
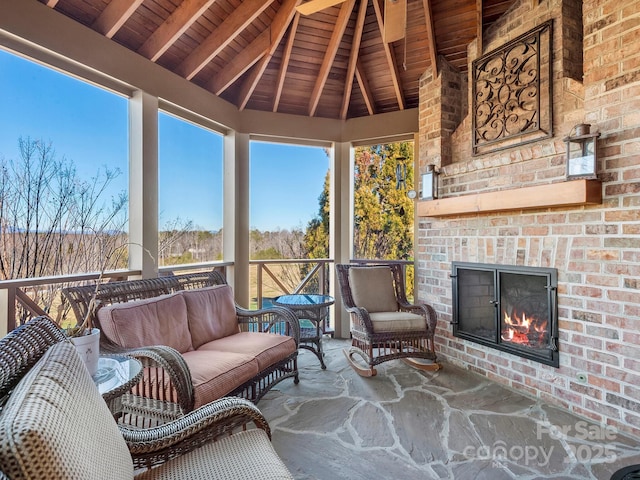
(512, 92)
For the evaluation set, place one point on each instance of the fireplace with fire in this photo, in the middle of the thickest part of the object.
(509, 308)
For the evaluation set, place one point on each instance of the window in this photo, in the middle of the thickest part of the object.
(190, 168)
(64, 158)
(383, 213)
(289, 198)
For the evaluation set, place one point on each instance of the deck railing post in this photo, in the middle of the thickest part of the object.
(7, 310)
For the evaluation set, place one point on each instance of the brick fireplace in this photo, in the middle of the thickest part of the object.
(512, 309)
(514, 207)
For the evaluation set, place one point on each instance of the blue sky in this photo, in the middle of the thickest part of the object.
(88, 126)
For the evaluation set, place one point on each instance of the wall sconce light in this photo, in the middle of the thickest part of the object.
(430, 183)
(582, 153)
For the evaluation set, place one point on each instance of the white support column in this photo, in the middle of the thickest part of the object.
(341, 225)
(235, 242)
(143, 184)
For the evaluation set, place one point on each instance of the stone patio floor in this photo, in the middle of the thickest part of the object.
(406, 424)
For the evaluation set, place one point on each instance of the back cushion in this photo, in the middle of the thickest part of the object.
(159, 320)
(56, 425)
(211, 312)
(372, 288)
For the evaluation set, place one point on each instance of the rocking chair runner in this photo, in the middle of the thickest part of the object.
(384, 325)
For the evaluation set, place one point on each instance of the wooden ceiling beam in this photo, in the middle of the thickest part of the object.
(284, 63)
(178, 22)
(311, 7)
(353, 58)
(242, 62)
(279, 26)
(364, 88)
(431, 37)
(330, 55)
(390, 56)
(479, 31)
(114, 16)
(246, 12)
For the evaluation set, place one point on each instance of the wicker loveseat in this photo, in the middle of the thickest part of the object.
(195, 343)
(54, 424)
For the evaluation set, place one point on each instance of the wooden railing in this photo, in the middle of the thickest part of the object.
(15, 297)
(269, 279)
(288, 276)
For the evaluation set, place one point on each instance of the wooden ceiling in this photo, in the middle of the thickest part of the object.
(263, 55)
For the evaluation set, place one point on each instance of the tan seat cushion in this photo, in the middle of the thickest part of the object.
(267, 348)
(56, 425)
(160, 320)
(372, 288)
(215, 374)
(247, 454)
(211, 313)
(397, 322)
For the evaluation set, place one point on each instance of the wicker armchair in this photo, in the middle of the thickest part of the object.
(54, 424)
(384, 325)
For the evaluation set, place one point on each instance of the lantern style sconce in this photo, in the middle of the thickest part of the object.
(582, 153)
(430, 183)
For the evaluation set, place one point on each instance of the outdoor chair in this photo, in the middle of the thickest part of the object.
(384, 325)
(55, 424)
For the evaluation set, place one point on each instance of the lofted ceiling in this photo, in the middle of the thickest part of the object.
(264, 55)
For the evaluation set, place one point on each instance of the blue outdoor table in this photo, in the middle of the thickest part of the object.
(313, 311)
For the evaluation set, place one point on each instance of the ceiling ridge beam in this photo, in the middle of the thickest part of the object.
(173, 27)
(241, 62)
(227, 31)
(353, 58)
(390, 55)
(284, 63)
(330, 55)
(114, 16)
(431, 36)
(279, 26)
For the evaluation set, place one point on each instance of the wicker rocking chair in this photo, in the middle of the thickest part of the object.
(384, 325)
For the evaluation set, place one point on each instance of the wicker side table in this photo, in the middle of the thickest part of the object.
(313, 311)
(116, 375)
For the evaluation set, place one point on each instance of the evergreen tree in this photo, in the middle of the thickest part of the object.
(316, 238)
(383, 213)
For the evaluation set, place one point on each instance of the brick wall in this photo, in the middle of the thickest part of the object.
(596, 249)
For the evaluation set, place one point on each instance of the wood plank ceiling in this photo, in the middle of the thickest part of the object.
(264, 55)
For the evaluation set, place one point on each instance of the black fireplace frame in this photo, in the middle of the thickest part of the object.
(550, 354)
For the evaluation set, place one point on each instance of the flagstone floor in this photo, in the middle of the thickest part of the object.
(453, 424)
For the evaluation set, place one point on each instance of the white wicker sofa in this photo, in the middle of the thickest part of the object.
(54, 424)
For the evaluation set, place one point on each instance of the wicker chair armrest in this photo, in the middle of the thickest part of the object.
(153, 446)
(21, 348)
(280, 320)
(360, 319)
(173, 365)
(427, 311)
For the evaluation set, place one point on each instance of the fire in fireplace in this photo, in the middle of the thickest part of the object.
(513, 309)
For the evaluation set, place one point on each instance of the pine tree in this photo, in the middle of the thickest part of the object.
(383, 213)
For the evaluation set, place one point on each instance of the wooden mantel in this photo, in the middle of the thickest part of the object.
(561, 194)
